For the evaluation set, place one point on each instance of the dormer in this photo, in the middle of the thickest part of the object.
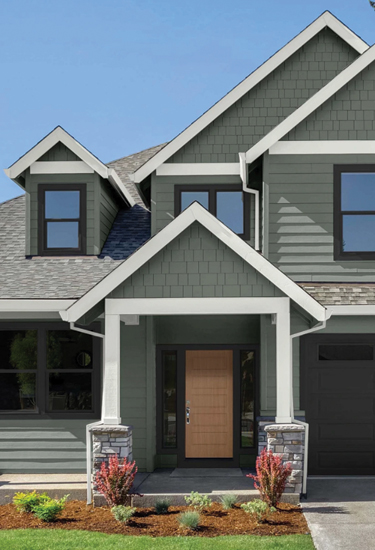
(72, 198)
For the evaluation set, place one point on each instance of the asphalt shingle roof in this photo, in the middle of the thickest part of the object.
(340, 294)
(127, 165)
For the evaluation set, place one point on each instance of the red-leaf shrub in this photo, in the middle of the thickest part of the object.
(115, 480)
(271, 477)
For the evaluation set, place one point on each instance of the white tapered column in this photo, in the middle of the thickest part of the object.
(111, 377)
(283, 365)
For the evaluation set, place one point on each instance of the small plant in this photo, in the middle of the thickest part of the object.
(123, 513)
(259, 509)
(271, 477)
(189, 520)
(50, 509)
(198, 501)
(25, 502)
(228, 501)
(162, 505)
(115, 480)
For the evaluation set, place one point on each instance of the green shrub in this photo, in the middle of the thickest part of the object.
(162, 505)
(50, 509)
(259, 509)
(189, 520)
(25, 502)
(123, 513)
(198, 501)
(228, 501)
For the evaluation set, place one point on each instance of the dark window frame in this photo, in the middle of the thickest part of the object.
(179, 451)
(339, 254)
(42, 374)
(212, 189)
(42, 220)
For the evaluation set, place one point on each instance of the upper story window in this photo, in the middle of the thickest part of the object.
(227, 202)
(62, 219)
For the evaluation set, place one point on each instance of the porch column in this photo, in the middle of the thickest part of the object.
(111, 376)
(284, 378)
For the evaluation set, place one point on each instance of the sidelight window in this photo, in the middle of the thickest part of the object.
(247, 398)
(169, 399)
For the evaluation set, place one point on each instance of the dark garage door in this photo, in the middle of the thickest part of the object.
(338, 395)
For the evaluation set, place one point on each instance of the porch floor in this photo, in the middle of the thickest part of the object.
(173, 484)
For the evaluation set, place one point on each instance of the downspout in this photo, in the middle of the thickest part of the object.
(320, 326)
(255, 192)
(89, 426)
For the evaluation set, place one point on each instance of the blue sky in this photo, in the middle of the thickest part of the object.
(124, 75)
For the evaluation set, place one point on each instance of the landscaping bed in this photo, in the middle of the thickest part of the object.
(287, 520)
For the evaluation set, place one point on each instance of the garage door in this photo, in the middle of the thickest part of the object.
(338, 395)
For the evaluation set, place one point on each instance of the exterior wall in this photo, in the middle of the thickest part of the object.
(102, 203)
(271, 101)
(196, 264)
(138, 402)
(301, 218)
(43, 445)
(349, 114)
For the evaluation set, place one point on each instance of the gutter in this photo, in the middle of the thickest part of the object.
(255, 192)
(89, 426)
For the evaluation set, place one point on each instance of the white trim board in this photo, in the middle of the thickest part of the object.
(311, 105)
(199, 169)
(350, 310)
(325, 20)
(61, 167)
(195, 212)
(60, 135)
(342, 147)
(195, 306)
(34, 305)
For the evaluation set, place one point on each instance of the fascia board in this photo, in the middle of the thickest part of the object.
(330, 147)
(59, 135)
(311, 105)
(325, 20)
(194, 213)
(34, 305)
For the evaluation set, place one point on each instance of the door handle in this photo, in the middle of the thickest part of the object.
(187, 415)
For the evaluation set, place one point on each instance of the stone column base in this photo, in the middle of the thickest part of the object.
(108, 440)
(288, 441)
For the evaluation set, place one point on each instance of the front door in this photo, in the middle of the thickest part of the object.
(209, 404)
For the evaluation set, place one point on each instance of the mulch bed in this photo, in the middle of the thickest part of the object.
(288, 520)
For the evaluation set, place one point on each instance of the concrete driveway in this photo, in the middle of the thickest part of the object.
(341, 513)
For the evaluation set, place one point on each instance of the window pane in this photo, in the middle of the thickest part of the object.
(62, 235)
(17, 391)
(62, 205)
(346, 352)
(247, 398)
(18, 349)
(169, 365)
(229, 209)
(357, 191)
(67, 349)
(358, 233)
(69, 392)
(188, 197)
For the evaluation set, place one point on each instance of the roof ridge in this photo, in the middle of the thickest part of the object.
(161, 145)
(12, 199)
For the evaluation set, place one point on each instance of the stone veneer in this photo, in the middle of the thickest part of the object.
(288, 441)
(108, 440)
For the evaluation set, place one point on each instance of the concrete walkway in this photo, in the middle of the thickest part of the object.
(341, 513)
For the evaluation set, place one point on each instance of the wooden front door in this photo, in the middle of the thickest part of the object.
(209, 404)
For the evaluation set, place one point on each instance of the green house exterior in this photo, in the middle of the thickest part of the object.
(194, 293)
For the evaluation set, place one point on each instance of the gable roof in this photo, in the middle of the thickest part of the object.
(195, 212)
(325, 20)
(60, 135)
(335, 85)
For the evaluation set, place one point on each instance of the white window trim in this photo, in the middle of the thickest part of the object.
(325, 20)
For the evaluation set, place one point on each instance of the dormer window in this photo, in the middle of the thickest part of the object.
(227, 202)
(62, 219)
